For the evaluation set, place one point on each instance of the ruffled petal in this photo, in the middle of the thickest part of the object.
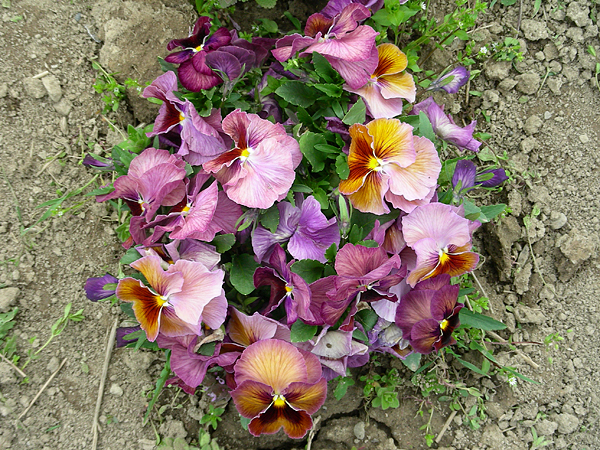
(252, 398)
(424, 335)
(437, 221)
(393, 141)
(272, 362)
(413, 307)
(307, 397)
(400, 85)
(392, 60)
(295, 423)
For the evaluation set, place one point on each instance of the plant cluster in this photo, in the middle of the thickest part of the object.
(294, 210)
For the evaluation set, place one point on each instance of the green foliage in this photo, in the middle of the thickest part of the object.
(302, 332)
(381, 390)
(165, 373)
(55, 330)
(343, 383)
(242, 273)
(212, 417)
(7, 322)
(113, 92)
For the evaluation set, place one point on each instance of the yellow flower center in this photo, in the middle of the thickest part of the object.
(161, 300)
(444, 325)
(443, 255)
(289, 289)
(375, 164)
(186, 208)
(181, 117)
(199, 48)
(278, 401)
(245, 153)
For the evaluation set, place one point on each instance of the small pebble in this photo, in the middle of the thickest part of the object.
(115, 389)
(584, 139)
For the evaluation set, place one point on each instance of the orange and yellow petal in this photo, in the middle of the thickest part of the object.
(393, 141)
(360, 159)
(369, 198)
(272, 362)
(295, 423)
(252, 398)
(398, 85)
(163, 283)
(146, 305)
(391, 60)
(460, 260)
(307, 397)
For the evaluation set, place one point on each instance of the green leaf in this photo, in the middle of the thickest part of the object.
(297, 26)
(301, 332)
(269, 25)
(425, 128)
(357, 113)
(331, 252)
(160, 383)
(242, 273)
(267, 3)
(492, 211)
(476, 320)
(468, 365)
(359, 336)
(368, 243)
(309, 269)
(341, 166)
(367, 318)
(472, 211)
(224, 242)
(207, 349)
(331, 90)
(298, 93)
(245, 422)
(323, 68)
(412, 361)
(342, 387)
(127, 308)
(307, 146)
(130, 256)
(270, 218)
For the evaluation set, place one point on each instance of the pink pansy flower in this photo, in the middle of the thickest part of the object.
(200, 139)
(441, 239)
(349, 47)
(260, 169)
(445, 128)
(177, 300)
(278, 386)
(388, 84)
(155, 178)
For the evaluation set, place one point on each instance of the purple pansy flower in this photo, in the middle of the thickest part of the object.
(121, 336)
(452, 81)
(286, 287)
(387, 337)
(364, 274)
(98, 163)
(466, 177)
(189, 365)
(428, 314)
(349, 47)
(445, 128)
(335, 7)
(201, 140)
(193, 71)
(309, 232)
(99, 288)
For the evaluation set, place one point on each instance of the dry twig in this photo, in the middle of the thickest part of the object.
(15, 368)
(445, 427)
(527, 359)
(311, 433)
(42, 389)
(109, 347)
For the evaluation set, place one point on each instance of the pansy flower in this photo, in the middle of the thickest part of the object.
(177, 300)
(99, 288)
(193, 71)
(278, 386)
(445, 128)
(309, 232)
(452, 81)
(201, 137)
(428, 314)
(349, 47)
(260, 169)
(287, 287)
(155, 178)
(388, 84)
(441, 239)
(466, 177)
(387, 163)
